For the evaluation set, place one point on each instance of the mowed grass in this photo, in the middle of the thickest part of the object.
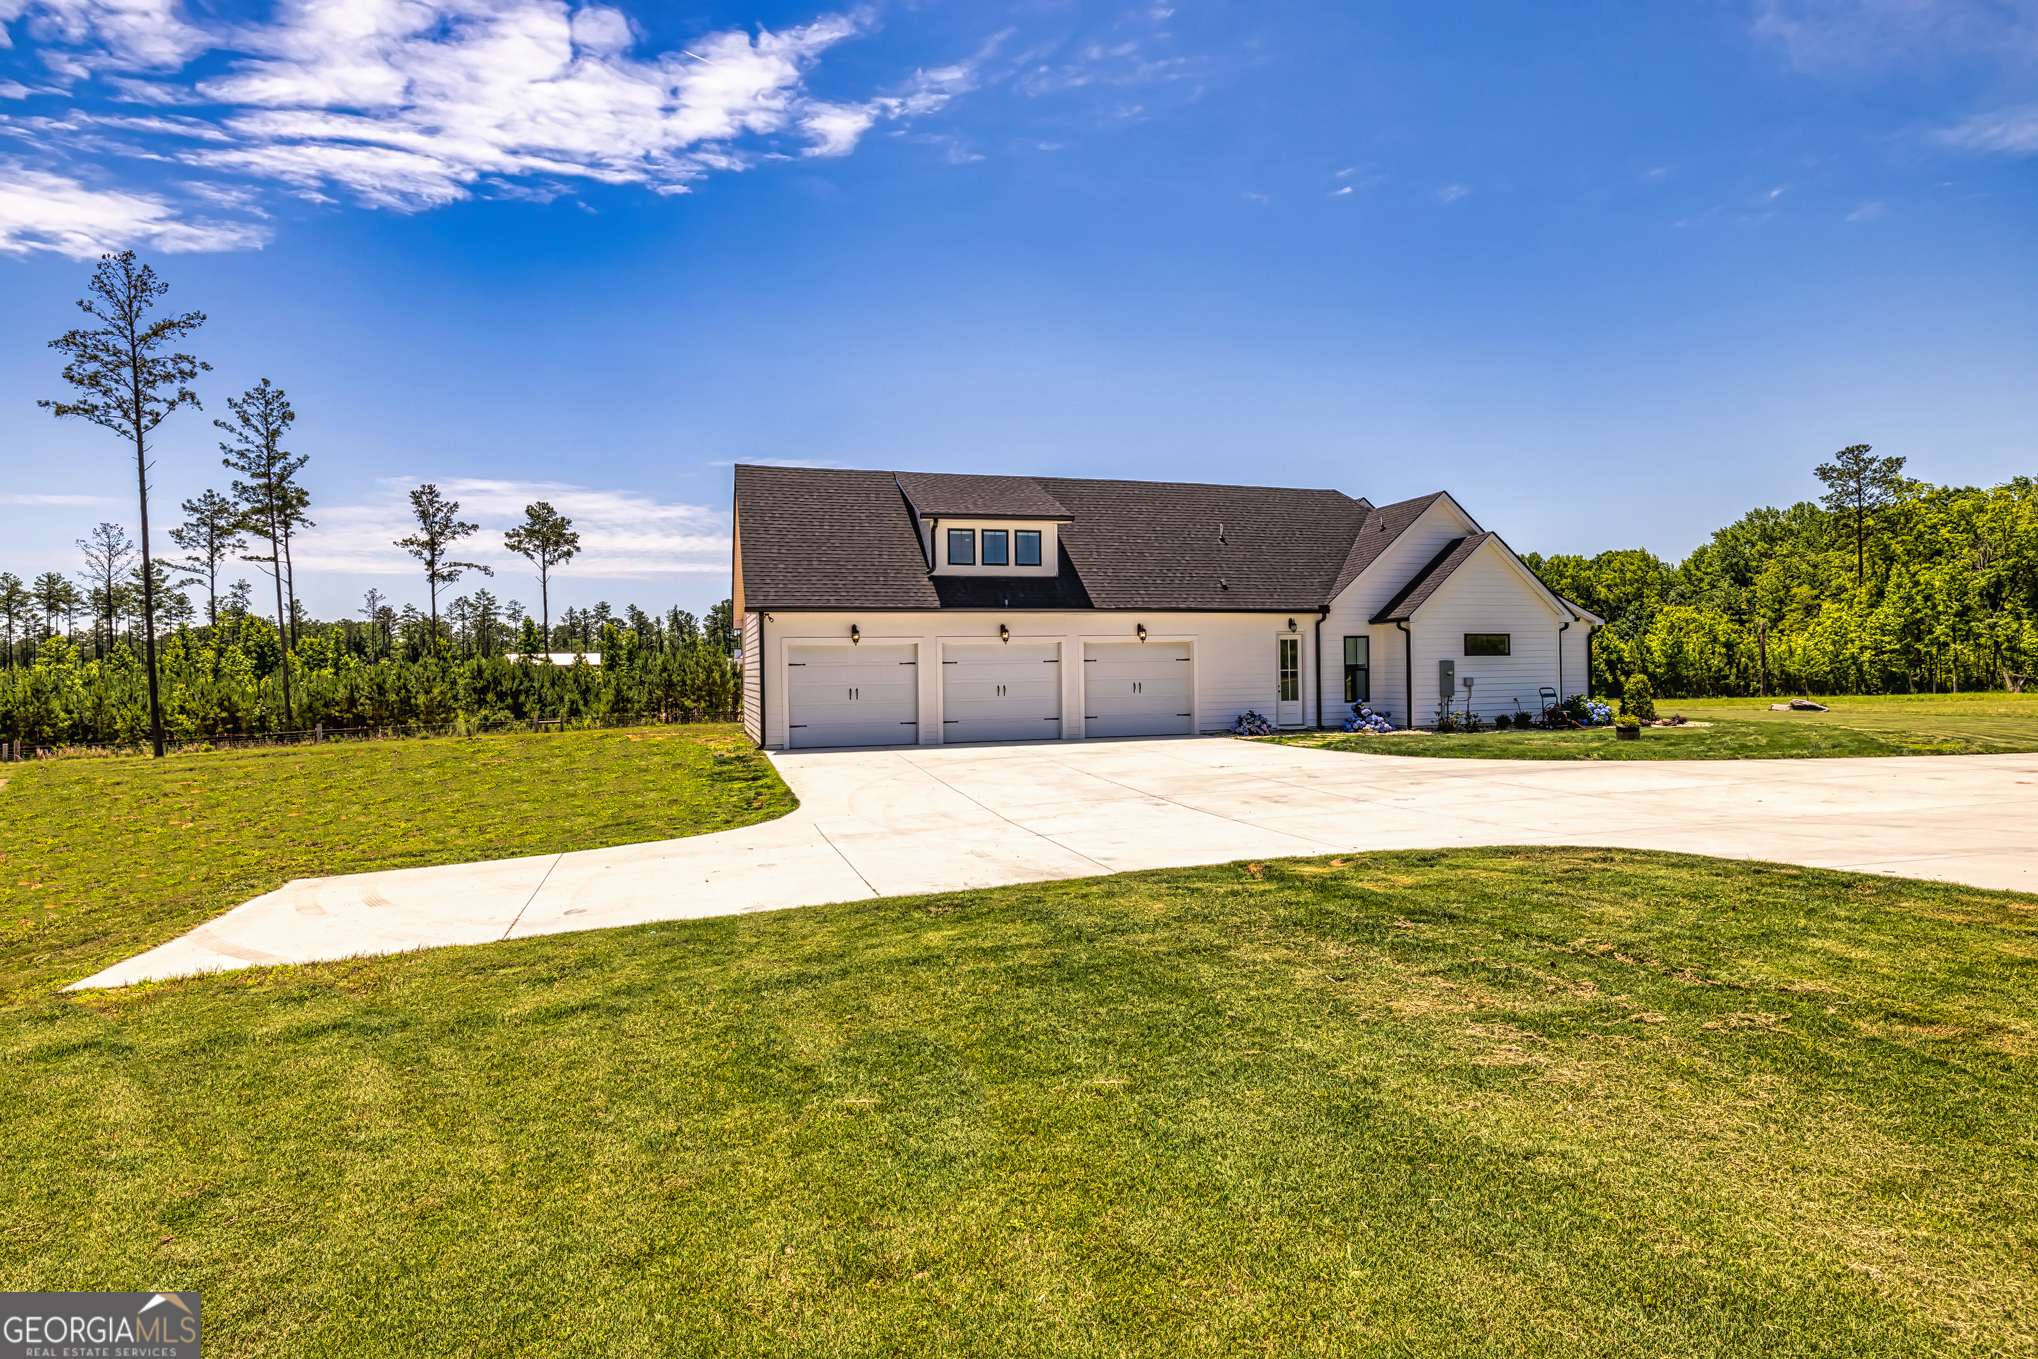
(1745, 729)
(1476, 1102)
(102, 858)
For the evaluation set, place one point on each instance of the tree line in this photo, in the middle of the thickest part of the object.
(234, 672)
(1886, 584)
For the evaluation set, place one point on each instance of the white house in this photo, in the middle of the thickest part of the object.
(916, 608)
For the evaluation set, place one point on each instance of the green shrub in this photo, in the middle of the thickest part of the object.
(1638, 699)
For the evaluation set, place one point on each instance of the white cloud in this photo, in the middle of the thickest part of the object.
(1835, 36)
(413, 103)
(1340, 193)
(43, 211)
(623, 534)
(1867, 212)
(15, 499)
(1452, 193)
(2010, 130)
(13, 89)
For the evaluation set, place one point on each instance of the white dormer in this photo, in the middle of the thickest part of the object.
(993, 547)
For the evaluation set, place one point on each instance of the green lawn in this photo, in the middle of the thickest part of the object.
(1476, 1102)
(102, 858)
(1745, 729)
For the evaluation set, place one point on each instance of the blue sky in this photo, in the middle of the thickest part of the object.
(1610, 273)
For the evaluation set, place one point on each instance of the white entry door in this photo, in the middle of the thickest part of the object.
(1288, 681)
(1138, 689)
(1000, 691)
(867, 695)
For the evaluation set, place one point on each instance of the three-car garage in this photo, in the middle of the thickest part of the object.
(870, 693)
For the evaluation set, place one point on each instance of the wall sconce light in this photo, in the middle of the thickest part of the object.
(1004, 633)
(855, 635)
(1142, 632)
(1291, 625)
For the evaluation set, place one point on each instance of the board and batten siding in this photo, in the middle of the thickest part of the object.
(1234, 656)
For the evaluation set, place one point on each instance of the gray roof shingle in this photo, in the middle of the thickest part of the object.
(956, 495)
(823, 538)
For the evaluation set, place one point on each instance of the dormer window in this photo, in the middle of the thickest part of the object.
(991, 547)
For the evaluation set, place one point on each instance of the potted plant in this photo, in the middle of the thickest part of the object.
(1502, 722)
(1627, 727)
(1523, 721)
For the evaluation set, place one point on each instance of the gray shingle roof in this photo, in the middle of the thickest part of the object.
(1426, 582)
(820, 538)
(956, 495)
(1379, 530)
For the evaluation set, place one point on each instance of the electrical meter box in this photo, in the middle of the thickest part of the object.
(1447, 679)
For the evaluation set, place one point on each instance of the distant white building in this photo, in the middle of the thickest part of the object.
(555, 657)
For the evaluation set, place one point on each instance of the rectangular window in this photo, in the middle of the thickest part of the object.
(994, 547)
(1358, 658)
(962, 547)
(1487, 643)
(1028, 543)
(1290, 662)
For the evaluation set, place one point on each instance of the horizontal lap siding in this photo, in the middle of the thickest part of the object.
(753, 677)
(1486, 594)
(1369, 594)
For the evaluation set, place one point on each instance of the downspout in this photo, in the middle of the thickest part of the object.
(1323, 612)
(1408, 664)
(1560, 659)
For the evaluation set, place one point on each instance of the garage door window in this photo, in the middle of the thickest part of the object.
(962, 547)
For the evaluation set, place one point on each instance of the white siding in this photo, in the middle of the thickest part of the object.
(1366, 596)
(1488, 594)
(753, 677)
(1234, 666)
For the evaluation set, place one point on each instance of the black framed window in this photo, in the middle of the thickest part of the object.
(1027, 541)
(962, 547)
(1489, 643)
(1358, 667)
(995, 541)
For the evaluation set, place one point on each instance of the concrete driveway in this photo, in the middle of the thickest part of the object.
(947, 818)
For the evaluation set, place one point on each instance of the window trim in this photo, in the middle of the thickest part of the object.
(1506, 640)
(968, 535)
(1358, 669)
(1020, 539)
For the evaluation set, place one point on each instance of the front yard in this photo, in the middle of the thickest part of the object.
(1477, 1102)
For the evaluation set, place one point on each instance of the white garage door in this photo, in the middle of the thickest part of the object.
(866, 695)
(1138, 689)
(1000, 691)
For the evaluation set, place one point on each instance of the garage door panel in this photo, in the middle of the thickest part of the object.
(1000, 692)
(866, 695)
(1138, 689)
